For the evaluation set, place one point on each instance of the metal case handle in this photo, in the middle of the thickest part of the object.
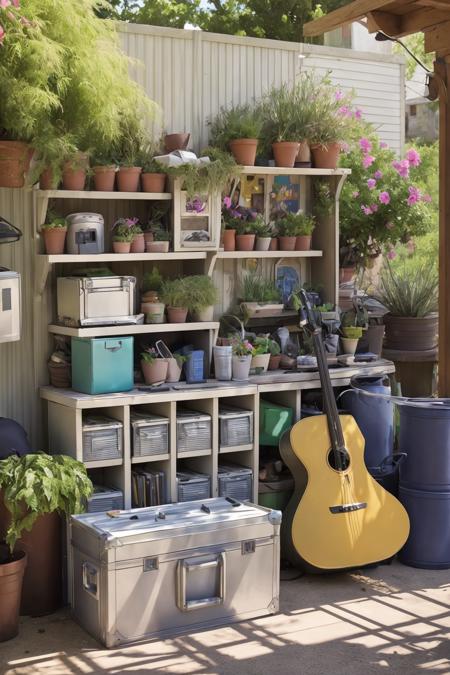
(194, 565)
(90, 574)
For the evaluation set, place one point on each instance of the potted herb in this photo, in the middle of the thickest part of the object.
(177, 298)
(122, 235)
(332, 125)
(350, 339)
(245, 234)
(238, 129)
(279, 109)
(74, 171)
(305, 228)
(275, 355)
(54, 233)
(128, 152)
(35, 487)
(104, 170)
(287, 228)
(138, 241)
(156, 220)
(231, 217)
(150, 303)
(259, 296)
(204, 296)
(204, 178)
(154, 368)
(242, 358)
(263, 234)
(153, 177)
(260, 355)
(160, 243)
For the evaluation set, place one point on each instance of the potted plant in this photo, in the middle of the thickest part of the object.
(74, 171)
(150, 303)
(204, 297)
(332, 124)
(160, 243)
(104, 170)
(176, 141)
(54, 232)
(350, 339)
(278, 110)
(275, 355)
(156, 220)
(260, 355)
(245, 234)
(35, 488)
(259, 296)
(154, 368)
(203, 178)
(263, 234)
(128, 151)
(242, 358)
(410, 296)
(238, 129)
(177, 298)
(287, 227)
(175, 367)
(153, 178)
(305, 228)
(138, 241)
(232, 215)
(304, 93)
(122, 235)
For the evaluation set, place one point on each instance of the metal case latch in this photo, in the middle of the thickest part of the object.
(248, 546)
(151, 564)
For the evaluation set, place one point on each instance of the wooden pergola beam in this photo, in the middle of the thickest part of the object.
(437, 39)
(352, 12)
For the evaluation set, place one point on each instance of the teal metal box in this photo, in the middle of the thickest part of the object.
(102, 365)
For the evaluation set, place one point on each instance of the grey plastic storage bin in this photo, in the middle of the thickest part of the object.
(105, 499)
(193, 431)
(192, 486)
(235, 427)
(235, 481)
(102, 438)
(150, 434)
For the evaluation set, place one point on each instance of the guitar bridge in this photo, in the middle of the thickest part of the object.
(346, 508)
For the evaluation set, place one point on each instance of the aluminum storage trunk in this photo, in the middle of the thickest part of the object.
(161, 571)
(235, 481)
(94, 301)
(192, 485)
(102, 438)
(105, 499)
(150, 434)
(193, 431)
(235, 427)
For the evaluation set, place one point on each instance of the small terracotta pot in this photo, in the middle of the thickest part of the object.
(244, 150)
(349, 345)
(173, 370)
(285, 153)
(273, 244)
(154, 372)
(153, 182)
(157, 247)
(245, 242)
(303, 242)
(46, 180)
(128, 178)
(177, 314)
(346, 274)
(263, 243)
(104, 178)
(229, 240)
(274, 362)
(121, 246)
(304, 153)
(176, 141)
(138, 244)
(148, 237)
(54, 239)
(15, 158)
(260, 361)
(11, 579)
(326, 156)
(287, 243)
(74, 172)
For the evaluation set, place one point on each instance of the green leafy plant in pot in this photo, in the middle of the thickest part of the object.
(204, 297)
(264, 234)
(160, 243)
(122, 235)
(150, 302)
(35, 488)
(278, 112)
(54, 233)
(154, 368)
(238, 130)
(104, 169)
(261, 354)
(287, 228)
(178, 299)
(153, 177)
(275, 355)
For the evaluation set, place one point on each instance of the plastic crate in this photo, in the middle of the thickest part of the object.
(192, 486)
(105, 499)
(274, 420)
(150, 434)
(235, 481)
(193, 431)
(235, 427)
(102, 439)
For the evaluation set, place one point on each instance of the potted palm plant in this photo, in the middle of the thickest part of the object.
(128, 152)
(204, 296)
(238, 129)
(259, 296)
(54, 232)
(154, 368)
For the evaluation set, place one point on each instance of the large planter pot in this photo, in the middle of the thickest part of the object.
(241, 367)
(260, 361)
(409, 333)
(263, 243)
(262, 309)
(173, 370)
(128, 178)
(245, 242)
(244, 150)
(229, 240)
(303, 154)
(349, 345)
(121, 246)
(15, 158)
(287, 243)
(176, 141)
(205, 314)
(326, 156)
(157, 246)
(138, 244)
(54, 239)
(155, 372)
(273, 244)
(46, 180)
(274, 362)
(303, 242)
(285, 153)
(223, 362)
(177, 314)
(74, 172)
(154, 312)
(11, 578)
(153, 182)
(346, 274)
(104, 178)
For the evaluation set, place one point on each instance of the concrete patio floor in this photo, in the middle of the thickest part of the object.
(391, 618)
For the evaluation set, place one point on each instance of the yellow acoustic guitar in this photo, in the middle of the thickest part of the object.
(339, 517)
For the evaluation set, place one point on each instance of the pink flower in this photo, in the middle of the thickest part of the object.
(365, 145)
(383, 145)
(389, 226)
(5, 3)
(410, 246)
(345, 111)
(402, 168)
(2, 33)
(227, 202)
(371, 183)
(368, 160)
(384, 197)
(16, 3)
(355, 194)
(378, 174)
(391, 255)
(366, 210)
(413, 157)
(358, 114)
(426, 198)
(414, 195)
(338, 96)
(374, 208)
(345, 147)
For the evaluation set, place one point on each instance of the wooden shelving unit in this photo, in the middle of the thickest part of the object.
(140, 329)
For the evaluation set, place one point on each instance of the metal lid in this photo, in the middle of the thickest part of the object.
(100, 421)
(143, 418)
(84, 217)
(185, 415)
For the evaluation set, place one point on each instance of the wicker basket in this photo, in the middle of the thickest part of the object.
(60, 375)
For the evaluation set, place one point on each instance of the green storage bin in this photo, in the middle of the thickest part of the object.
(102, 365)
(274, 420)
(275, 494)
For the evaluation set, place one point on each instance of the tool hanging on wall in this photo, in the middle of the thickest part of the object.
(10, 305)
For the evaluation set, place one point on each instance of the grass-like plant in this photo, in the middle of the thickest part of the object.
(175, 293)
(152, 281)
(255, 288)
(242, 121)
(278, 111)
(206, 177)
(202, 290)
(408, 292)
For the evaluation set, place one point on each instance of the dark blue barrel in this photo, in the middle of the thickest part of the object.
(428, 544)
(374, 416)
(387, 473)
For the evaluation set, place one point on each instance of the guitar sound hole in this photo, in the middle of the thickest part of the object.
(340, 463)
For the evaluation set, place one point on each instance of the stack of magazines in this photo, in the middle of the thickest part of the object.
(148, 488)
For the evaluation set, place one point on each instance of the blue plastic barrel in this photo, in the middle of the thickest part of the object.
(428, 544)
(374, 416)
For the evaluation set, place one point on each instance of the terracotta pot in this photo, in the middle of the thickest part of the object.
(154, 372)
(349, 345)
(15, 158)
(11, 578)
(304, 153)
(287, 243)
(154, 312)
(157, 247)
(260, 361)
(148, 237)
(326, 157)
(54, 239)
(245, 242)
(46, 180)
(229, 240)
(273, 244)
(74, 172)
(303, 242)
(285, 153)
(153, 182)
(138, 244)
(241, 367)
(274, 362)
(121, 246)
(176, 141)
(244, 150)
(128, 178)
(104, 178)
(411, 333)
(173, 370)
(263, 243)
(206, 314)
(346, 274)
(177, 314)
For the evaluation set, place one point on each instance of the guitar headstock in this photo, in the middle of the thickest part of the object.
(307, 316)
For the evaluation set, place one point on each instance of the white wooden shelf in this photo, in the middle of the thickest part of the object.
(223, 450)
(121, 257)
(141, 329)
(97, 194)
(194, 453)
(268, 254)
(286, 171)
(103, 463)
(151, 458)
